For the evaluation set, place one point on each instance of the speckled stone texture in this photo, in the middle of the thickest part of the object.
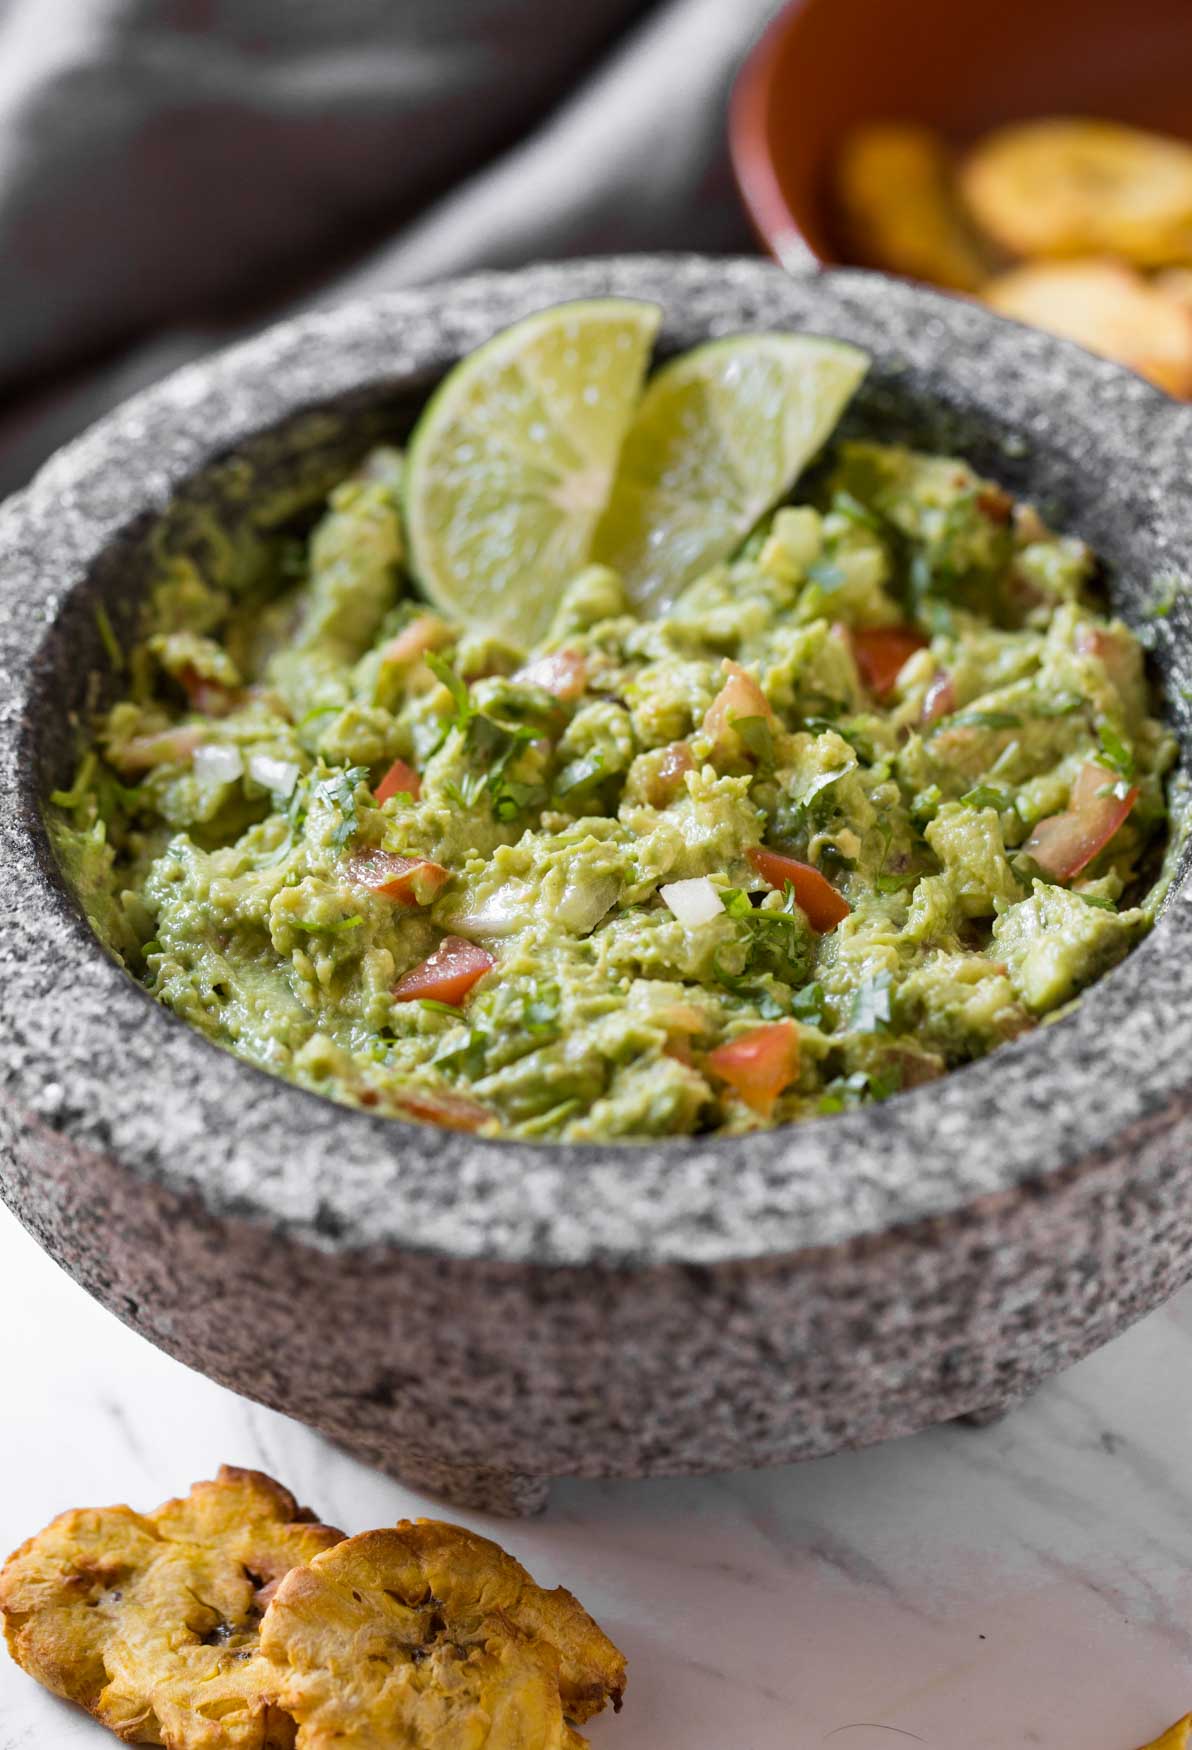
(482, 1316)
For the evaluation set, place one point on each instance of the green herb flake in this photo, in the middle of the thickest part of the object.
(468, 1059)
(338, 928)
(434, 1007)
(981, 720)
(1116, 757)
(809, 1004)
(108, 639)
(986, 796)
(757, 738)
(461, 698)
(870, 1010)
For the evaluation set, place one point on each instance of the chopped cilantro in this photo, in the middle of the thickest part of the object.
(776, 940)
(860, 1088)
(468, 1059)
(540, 1011)
(757, 739)
(1099, 901)
(809, 1004)
(986, 796)
(1116, 757)
(434, 1007)
(1065, 705)
(460, 696)
(108, 639)
(870, 1010)
(981, 720)
(340, 790)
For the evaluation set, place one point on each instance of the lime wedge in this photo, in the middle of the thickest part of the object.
(511, 463)
(721, 435)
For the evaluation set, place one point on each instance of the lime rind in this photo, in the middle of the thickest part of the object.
(721, 436)
(512, 462)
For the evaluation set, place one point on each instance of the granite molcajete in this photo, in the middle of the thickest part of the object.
(481, 1316)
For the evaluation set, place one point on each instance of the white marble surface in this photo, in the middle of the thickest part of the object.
(1024, 1584)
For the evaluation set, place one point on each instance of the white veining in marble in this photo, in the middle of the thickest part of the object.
(1026, 1584)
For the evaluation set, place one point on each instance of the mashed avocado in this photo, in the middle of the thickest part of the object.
(872, 799)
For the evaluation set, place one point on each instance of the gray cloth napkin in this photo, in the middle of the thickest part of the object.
(174, 172)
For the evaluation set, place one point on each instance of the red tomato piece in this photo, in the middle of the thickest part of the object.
(398, 780)
(449, 1111)
(448, 975)
(740, 697)
(759, 1065)
(409, 880)
(939, 699)
(1064, 844)
(425, 633)
(163, 748)
(823, 905)
(212, 698)
(669, 773)
(564, 674)
(881, 652)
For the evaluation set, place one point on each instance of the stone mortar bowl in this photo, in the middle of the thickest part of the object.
(481, 1316)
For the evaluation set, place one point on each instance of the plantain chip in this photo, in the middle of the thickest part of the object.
(1064, 187)
(151, 1621)
(1177, 1737)
(429, 1636)
(1107, 308)
(898, 209)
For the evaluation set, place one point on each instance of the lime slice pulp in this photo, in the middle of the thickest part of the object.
(721, 435)
(511, 463)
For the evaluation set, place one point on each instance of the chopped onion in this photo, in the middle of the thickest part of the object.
(585, 902)
(693, 902)
(273, 774)
(214, 764)
(503, 912)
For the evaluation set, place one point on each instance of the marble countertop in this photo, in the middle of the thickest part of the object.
(1028, 1583)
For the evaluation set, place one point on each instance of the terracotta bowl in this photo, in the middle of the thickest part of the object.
(480, 1316)
(825, 65)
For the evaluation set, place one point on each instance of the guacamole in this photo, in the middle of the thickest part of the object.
(873, 798)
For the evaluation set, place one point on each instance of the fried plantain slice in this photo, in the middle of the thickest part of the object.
(1177, 1737)
(894, 189)
(1107, 308)
(429, 1636)
(1077, 187)
(150, 1621)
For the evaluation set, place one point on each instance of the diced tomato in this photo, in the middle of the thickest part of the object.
(448, 975)
(995, 504)
(667, 778)
(1120, 659)
(166, 747)
(409, 880)
(564, 674)
(425, 633)
(822, 904)
(400, 779)
(881, 651)
(739, 698)
(450, 1111)
(1063, 844)
(759, 1065)
(212, 698)
(939, 699)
